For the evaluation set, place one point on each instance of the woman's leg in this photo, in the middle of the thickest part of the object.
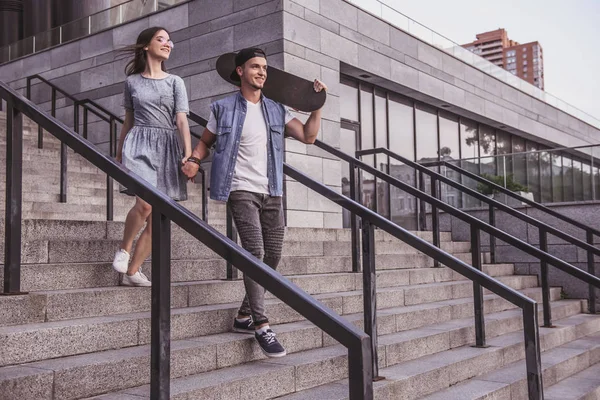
(143, 247)
(134, 222)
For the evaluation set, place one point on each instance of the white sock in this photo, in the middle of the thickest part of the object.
(242, 319)
(263, 329)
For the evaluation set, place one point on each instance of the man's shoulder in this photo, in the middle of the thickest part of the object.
(274, 103)
(224, 100)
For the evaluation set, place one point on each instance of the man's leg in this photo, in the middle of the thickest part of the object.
(273, 229)
(245, 209)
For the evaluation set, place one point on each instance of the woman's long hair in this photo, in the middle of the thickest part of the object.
(138, 63)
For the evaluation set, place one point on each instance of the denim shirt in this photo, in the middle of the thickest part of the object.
(230, 114)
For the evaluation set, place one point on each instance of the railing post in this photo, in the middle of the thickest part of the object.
(109, 181)
(435, 218)
(85, 122)
(160, 345)
(63, 173)
(422, 209)
(204, 196)
(592, 271)
(360, 376)
(492, 214)
(354, 228)
(477, 289)
(544, 275)
(76, 117)
(232, 272)
(14, 197)
(533, 359)
(369, 290)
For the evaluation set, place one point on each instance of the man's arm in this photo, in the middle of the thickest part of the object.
(305, 133)
(201, 151)
(308, 132)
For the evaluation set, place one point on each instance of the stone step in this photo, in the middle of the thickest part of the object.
(52, 229)
(30, 199)
(38, 341)
(584, 385)
(217, 352)
(78, 251)
(308, 372)
(60, 304)
(569, 372)
(439, 371)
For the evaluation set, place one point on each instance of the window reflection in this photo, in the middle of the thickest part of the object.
(402, 142)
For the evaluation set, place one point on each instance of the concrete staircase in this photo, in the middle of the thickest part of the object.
(79, 335)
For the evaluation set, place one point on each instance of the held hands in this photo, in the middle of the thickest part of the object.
(190, 168)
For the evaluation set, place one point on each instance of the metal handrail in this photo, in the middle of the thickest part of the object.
(501, 206)
(523, 199)
(371, 219)
(165, 211)
(112, 119)
(544, 229)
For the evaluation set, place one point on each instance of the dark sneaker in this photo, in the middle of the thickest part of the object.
(246, 326)
(269, 344)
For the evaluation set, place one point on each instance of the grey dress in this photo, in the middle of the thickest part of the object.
(151, 148)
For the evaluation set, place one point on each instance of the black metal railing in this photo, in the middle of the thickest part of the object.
(590, 232)
(544, 229)
(370, 220)
(82, 108)
(164, 211)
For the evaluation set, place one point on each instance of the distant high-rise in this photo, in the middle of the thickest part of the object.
(523, 60)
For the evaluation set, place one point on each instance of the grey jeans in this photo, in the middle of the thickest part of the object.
(260, 225)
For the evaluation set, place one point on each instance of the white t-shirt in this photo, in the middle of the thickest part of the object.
(251, 164)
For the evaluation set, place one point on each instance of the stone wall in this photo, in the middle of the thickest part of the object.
(310, 38)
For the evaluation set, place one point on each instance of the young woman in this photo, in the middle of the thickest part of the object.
(156, 108)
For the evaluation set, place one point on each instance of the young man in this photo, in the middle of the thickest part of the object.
(247, 172)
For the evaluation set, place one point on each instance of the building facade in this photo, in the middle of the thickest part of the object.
(387, 87)
(523, 60)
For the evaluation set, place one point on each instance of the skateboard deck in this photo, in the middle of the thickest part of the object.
(280, 86)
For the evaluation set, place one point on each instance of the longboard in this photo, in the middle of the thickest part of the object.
(281, 86)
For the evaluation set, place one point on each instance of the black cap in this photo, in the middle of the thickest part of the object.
(243, 56)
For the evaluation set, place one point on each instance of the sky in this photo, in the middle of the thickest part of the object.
(568, 31)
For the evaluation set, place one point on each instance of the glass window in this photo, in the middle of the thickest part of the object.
(587, 182)
(519, 162)
(381, 160)
(546, 177)
(487, 149)
(568, 191)
(402, 142)
(578, 180)
(449, 151)
(348, 141)
(557, 178)
(533, 170)
(502, 147)
(427, 137)
(367, 141)
(470, 155)
(427, 141)
(349, 101)
(596, 183)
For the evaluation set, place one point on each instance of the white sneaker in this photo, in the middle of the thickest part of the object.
(137, 279)
(121, 261)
